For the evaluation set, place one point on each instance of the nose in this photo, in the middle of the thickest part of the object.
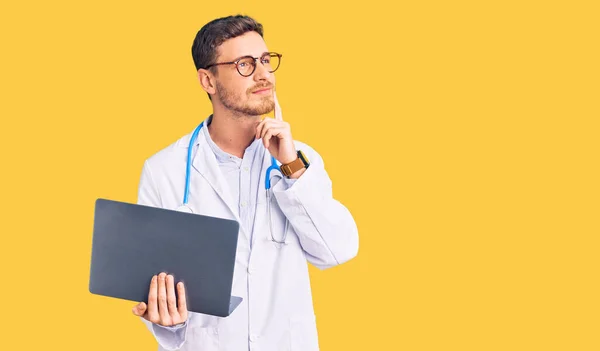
(261, 72)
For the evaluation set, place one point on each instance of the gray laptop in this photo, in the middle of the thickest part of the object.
(132, 242)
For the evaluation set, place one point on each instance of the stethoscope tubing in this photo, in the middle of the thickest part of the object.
(272, 167)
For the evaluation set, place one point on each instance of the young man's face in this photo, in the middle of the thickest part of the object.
(251, 95)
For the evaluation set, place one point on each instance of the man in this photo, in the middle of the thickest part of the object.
(233, 150)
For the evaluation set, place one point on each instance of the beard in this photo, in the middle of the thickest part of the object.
(250, 107)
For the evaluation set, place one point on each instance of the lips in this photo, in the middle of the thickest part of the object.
(261, 90)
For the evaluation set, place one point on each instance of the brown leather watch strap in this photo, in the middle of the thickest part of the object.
(292, 167)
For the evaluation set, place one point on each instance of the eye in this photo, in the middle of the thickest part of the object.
(266, 59)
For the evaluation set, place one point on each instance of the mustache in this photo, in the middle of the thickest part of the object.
(260, 87)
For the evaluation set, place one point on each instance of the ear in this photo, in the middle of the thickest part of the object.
(207, 81)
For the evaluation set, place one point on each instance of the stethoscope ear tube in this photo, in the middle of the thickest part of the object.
(189, 163)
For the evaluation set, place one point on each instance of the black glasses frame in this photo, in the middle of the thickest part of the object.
(236, 62)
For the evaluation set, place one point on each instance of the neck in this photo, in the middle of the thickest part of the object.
(233, 133)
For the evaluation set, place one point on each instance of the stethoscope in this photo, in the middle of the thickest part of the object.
(273, 167)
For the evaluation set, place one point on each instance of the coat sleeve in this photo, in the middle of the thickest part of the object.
(326, 230)
(170, 338)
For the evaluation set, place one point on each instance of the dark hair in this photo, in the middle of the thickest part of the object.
(214, 33)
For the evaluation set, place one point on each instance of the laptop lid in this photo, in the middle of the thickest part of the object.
(133, 242)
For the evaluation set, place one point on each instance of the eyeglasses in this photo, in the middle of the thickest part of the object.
(246, 65)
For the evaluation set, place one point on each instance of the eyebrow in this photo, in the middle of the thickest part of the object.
(239, 57)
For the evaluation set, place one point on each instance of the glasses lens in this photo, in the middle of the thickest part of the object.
(271, 62)
(246, 66)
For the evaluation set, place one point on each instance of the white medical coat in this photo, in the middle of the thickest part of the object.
(276, 313)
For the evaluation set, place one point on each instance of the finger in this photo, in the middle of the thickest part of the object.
(171, 300)
(277, 132)
(265, 136)
(274, 130)
(182, 300)
(139, 309)
(152, 296)
(269, 125)
(277, 112)
(163, 310)
(261, 127)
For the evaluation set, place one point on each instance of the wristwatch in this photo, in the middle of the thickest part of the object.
(296, 165)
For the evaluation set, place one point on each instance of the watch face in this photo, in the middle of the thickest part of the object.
(303, 157)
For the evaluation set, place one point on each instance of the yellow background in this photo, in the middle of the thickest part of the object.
(462, 135)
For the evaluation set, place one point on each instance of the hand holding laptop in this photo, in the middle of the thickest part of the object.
(194, 249)
(162, 306)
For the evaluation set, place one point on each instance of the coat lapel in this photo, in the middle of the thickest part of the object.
(205, 163)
